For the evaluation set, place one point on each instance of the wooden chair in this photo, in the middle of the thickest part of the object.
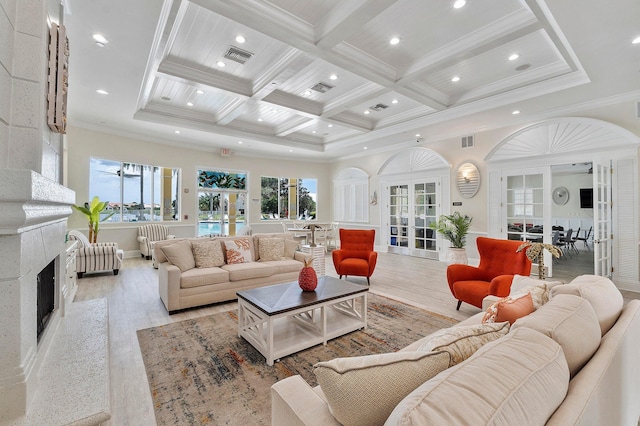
(499, 262)
(355, 255)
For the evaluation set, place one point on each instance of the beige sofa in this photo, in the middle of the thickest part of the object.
(198, 271)
(574, 361)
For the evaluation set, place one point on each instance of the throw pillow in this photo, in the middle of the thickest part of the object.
(238, 250)
(271, 249)
(601, 292)
(364, 390)
(180, 255)
(571, 321)
(463, 341)
(509, 309)
(207, 253)
(290, 248)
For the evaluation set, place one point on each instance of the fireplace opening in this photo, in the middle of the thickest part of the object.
(46, 295)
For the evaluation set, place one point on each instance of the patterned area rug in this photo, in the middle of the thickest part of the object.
(201, 373)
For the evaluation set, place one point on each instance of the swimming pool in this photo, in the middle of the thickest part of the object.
(205, 228)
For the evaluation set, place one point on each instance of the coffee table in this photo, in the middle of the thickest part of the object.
(281, 319)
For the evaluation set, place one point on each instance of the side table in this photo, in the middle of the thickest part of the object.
(318, 257)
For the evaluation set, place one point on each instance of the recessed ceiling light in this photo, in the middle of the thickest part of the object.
(177, 132)
(221, 64)
(330, 125)
(260, 119)
(240, 142)
(307, 92)
(100, 39)
(394, 41)
(516, 112)
(102, 92)
(513, 57)
(240, 39)
(199, 92)
(459, 3)
(455, 79)
(636, 40)
(367, 112)
(314, 132)
(290, 150)
(189, 103)
(395, 101)
(364, 147)
(417, 135)
(333, 77)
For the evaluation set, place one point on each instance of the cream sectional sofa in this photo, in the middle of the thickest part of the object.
(197, 271)
(573, 361)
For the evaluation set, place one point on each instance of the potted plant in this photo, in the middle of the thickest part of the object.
(455, 227)
(535, 253)
(92, 212)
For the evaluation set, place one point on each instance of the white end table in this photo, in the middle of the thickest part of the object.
(317, 253)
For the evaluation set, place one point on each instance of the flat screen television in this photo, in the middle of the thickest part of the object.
(586, 198)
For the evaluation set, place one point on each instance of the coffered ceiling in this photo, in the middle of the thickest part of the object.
(320, 78)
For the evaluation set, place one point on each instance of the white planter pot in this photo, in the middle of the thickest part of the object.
(457, 255)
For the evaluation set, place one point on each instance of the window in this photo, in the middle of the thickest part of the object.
(136, 192)
(350, 192)
(222, 200)
(288, 198)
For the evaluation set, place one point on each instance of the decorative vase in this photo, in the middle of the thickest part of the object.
(307, 279)
(457, 256)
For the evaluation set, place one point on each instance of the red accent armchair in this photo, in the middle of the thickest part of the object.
(355, 255)
(499, 262)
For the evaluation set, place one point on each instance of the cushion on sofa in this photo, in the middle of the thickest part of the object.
(198, 277)
(180, 255)
(571, 321)
(247, 271)
(364, 390)
(601, 292)
(271, 249)
(257, 237)
(463, 341)
(509, 309)
(519, 379)
(207, 253)
(290, 247)
(284, 266)
(237, 250)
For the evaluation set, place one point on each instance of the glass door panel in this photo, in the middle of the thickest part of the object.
(525, 207)
(399, 216)
(602, 219)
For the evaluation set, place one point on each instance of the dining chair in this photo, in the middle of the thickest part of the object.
(586, 237)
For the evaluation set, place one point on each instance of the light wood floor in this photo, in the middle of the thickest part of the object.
(134, 304)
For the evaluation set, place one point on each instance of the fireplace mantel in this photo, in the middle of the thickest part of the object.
(28, 200)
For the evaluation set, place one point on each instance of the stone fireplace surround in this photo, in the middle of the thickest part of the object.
(33, 225)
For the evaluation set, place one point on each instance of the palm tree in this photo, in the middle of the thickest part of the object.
(535, 253)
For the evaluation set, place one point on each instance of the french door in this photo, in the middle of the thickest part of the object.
(412, 209)
(602, 218)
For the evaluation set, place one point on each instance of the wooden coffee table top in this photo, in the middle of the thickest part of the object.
(279, 298)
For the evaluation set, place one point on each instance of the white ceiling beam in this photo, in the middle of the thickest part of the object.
(187, 74)
(294, 126)
(346, 19)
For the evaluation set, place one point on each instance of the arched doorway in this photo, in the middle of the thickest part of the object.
(520, 185)
(411, 189)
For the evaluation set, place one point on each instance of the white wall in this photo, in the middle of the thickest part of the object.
(570, 215)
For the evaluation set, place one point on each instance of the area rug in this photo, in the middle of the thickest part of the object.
(201, 373)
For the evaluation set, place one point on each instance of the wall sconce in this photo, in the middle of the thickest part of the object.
(468, 180)
(374, 199)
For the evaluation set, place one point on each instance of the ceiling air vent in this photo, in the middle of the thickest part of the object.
(467, 141)
(238, 55)
(378, 107)
(322, 87)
